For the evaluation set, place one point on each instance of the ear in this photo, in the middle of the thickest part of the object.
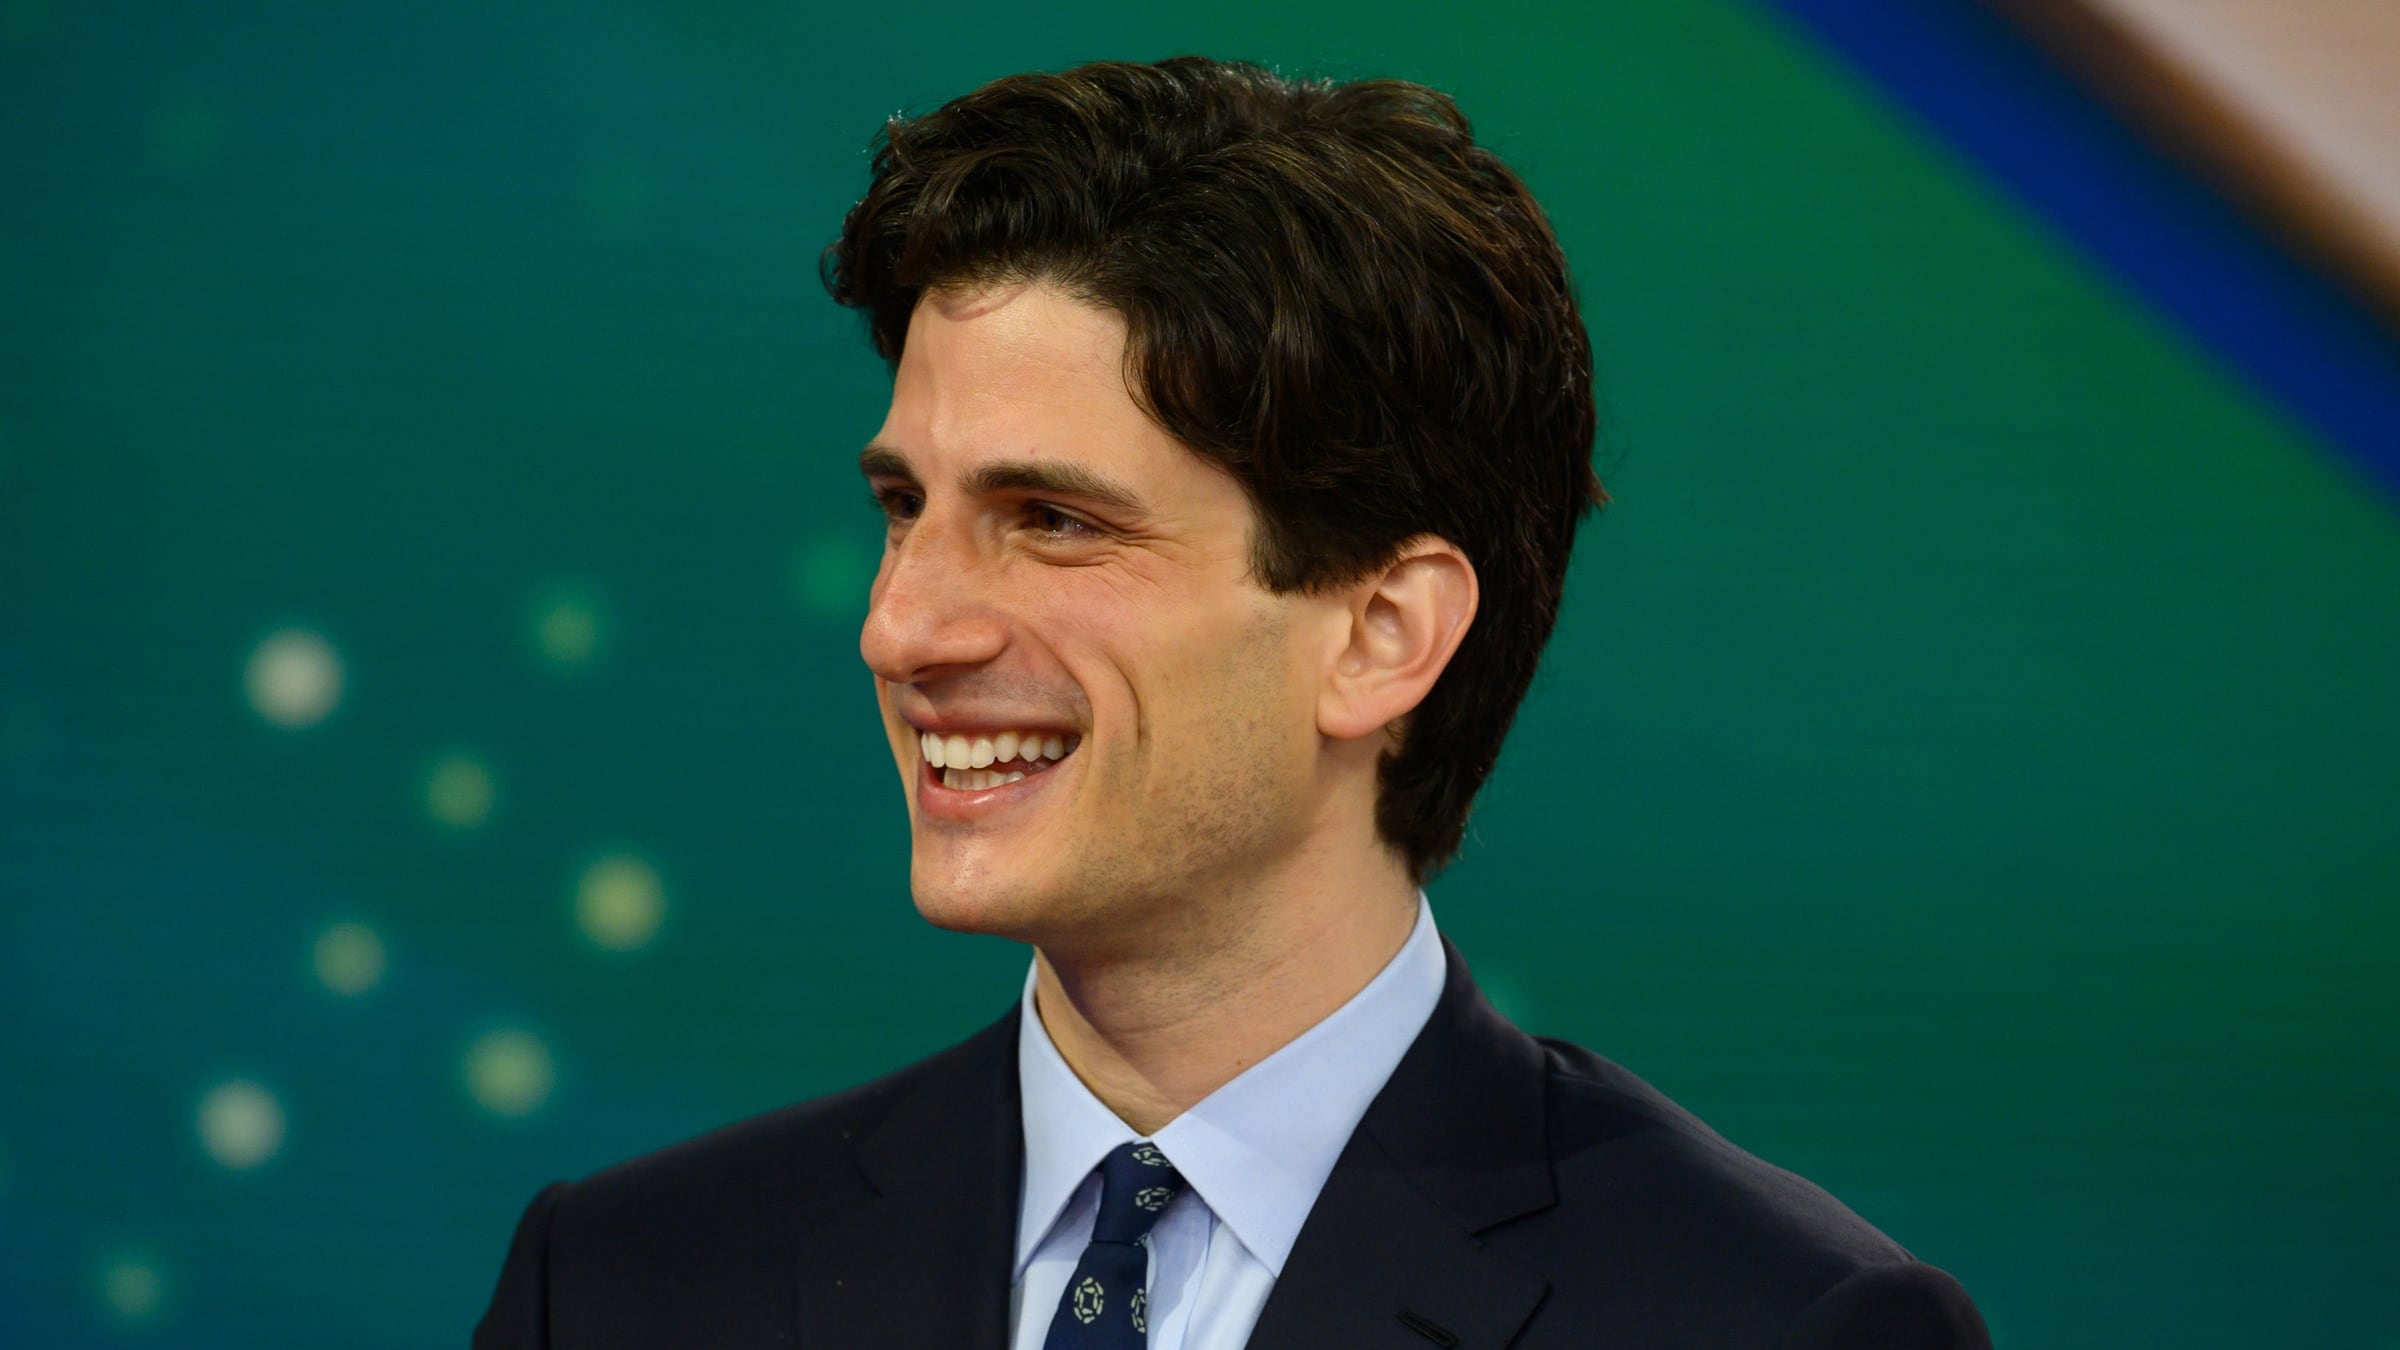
(1404, 624)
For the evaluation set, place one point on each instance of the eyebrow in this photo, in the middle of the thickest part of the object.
(1014, 475)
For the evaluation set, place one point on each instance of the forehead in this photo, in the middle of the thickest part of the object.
(1021, 371)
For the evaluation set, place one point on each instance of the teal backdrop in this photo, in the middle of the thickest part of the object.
(434, 757)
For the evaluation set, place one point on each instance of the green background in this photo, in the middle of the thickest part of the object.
(1965, 773)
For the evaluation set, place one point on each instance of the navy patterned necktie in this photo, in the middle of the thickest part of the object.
(1106, 1305)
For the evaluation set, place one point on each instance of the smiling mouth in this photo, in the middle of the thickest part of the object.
(973, 763)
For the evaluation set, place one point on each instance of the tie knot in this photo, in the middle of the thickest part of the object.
(1136, 1182)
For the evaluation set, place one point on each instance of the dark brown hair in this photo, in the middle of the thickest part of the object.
(1329, 288)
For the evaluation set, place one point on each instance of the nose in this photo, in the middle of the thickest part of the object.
(930, 612)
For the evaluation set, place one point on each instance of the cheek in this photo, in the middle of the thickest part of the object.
(1180, 669)
(904, 746)
(1228, 777)
(1229, 691)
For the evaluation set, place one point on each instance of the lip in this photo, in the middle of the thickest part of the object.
(962, 806)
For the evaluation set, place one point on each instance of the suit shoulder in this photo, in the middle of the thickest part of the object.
(799, 1155)
(1607, 1123)
(1903, 1307)
(679, 1246)
(1652, 1199)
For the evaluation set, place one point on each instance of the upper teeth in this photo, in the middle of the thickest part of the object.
(977, 752)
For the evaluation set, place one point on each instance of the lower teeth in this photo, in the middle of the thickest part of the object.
(975, 780)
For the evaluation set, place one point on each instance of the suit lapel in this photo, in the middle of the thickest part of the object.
(1454, 1144)
(922, 1262)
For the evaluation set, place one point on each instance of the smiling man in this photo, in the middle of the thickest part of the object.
(1239, 433)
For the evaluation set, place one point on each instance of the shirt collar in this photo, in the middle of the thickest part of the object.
(1258, 1149)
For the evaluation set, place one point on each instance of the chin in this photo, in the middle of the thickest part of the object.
(1039, 906)
(971, 900)
(947, 909)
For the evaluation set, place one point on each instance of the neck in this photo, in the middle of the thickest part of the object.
(1151, 1032)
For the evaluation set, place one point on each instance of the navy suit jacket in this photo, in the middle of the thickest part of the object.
(1501, 1191)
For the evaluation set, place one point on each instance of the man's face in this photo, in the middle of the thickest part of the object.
(1061, 573)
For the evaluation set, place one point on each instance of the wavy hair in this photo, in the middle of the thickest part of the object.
(1327, 287)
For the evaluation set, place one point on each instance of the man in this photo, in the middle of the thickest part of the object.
(1239, 432)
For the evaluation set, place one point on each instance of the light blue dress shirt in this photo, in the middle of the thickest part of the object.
(1253, 1154)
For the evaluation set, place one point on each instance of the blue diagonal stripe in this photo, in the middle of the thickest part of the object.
(1991, 92)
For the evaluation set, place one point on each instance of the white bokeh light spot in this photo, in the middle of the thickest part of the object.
(188, 137)
(459, 791)
(133, 1287)
(294, 678)
(241, 1124)
(619, 902)
(567, 625)
(829, 577)
(509, 1072)
(348, 958)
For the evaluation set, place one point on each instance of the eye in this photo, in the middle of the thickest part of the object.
(899, 504)
(1054, 523)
